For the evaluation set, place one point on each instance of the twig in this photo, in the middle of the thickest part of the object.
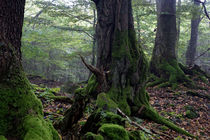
(132, 122)
(204, 6)
(202, 54)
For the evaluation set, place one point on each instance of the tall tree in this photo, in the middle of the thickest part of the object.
(164, 62)
(21, 113)
(191, 49)
(121, 68)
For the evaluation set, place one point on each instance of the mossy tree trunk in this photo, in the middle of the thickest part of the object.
(121, 69)
(191, 49)
(21, 113)
(164, 62)
(119, 55)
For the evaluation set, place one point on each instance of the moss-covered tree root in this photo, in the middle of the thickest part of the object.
(21, 114)
(168, 74)
(144, 110)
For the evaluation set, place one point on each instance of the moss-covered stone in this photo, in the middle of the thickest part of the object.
(138, 135)
(191, 112)
(113, 132)
(92, 136)
(100, 117)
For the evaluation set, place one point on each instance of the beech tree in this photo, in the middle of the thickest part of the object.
(164, 62)
(191, 49)
(21, 115)
(119, 77)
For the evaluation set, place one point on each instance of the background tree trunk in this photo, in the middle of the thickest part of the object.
(164, 62)
(178, 26)
(21, 113)
(191, 49)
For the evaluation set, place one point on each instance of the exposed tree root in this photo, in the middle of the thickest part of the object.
(151, 114)
(94, 88)
(170, 75)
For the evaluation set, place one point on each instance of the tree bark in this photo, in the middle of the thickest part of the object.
(20, 111)
(119, 54)
(191, 49)
(178, 26)
(164, 62)
(121, 69)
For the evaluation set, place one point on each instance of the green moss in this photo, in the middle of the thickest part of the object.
(100, 117)
(92, 136)
(16, 102)
(37, 128)
(191, 112)
(120, 97)
(150, 113)
(203, 78)
(138, 135)
(113, 132)
(103, 101)
(164, 128)
(91, 86)
(172, 73)
(2, 137)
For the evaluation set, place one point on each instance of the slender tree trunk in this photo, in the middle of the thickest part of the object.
(191, 49)
(20, 110)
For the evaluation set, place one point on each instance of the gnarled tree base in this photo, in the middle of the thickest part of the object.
(169, 74)
(21, 114)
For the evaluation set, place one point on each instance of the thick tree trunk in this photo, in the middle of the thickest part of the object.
(20, 110)
(119, 54)
(191, 49)
(164, 62)
(121, 69)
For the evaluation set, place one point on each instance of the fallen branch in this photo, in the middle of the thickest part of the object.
(132, 122)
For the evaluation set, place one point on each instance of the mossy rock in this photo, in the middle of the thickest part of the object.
(138, 135)
(92, 136)
(191, 112)
(113, 132)
(100, 117)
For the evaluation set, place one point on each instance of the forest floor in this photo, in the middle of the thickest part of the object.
(189, 109)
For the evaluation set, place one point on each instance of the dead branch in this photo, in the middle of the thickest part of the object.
(132, 122)
(204, 7)
(100, 76)
(202, 54)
